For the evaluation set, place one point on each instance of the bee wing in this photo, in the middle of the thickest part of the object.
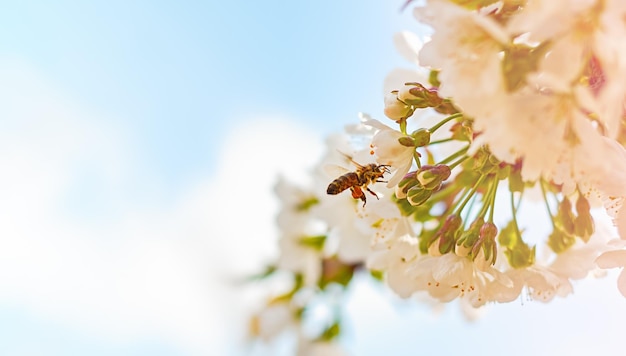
(334, 171)
(350, 159)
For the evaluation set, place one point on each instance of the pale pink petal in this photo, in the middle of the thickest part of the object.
(397, 77)
(408, 44)
(621, 283)
(612, 259)
(620, 221)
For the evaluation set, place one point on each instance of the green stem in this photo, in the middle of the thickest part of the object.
(461, 160)
(456, 154)
(496, 183)
(417, 157)
(469, 210)
(444, 121)
(442, 194)
(470, 194)
(441, 141)
(514, 210)
(519, 202)
(486, 201)
(545, 199)
(403, 126)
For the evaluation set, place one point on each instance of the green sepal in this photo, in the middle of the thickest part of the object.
(521, 257)
(426, 238)
(331, 332)
(560, 241)
(377, 275)
(335, 271)
(421, 137)
(462, 131)
(473, 4)
(407, 141)
(519, 61)
(433, 78)
(269, 270)
(504, 172)
(516, 184)
(314, 242)
(517, 252)
(307, 204)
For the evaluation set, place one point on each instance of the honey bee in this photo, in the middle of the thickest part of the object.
(359, 180)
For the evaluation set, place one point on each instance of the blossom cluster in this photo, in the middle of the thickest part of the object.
(512, 105)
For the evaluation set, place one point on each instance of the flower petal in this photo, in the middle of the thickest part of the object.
(621, 282)
(620, 221)
(408, 44)
(612, 259)
(397, 77)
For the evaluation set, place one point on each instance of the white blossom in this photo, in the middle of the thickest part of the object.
(449, 276)
(388, 150)
(465, 47)
(295, 226)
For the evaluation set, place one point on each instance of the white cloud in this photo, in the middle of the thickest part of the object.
(135, 269)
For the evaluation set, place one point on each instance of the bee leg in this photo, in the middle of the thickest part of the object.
(372, 193)
(357, 193)
(382, 181)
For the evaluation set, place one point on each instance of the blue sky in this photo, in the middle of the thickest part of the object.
(179, 72)
(139, 143)
(123, 122)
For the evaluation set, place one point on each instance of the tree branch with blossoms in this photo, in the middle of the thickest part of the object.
(520, 103)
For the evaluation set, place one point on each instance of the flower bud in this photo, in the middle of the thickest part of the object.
(469, 237)
(486, 243)
(431, 177)
(446, 108)
(407, 182)
(395, 109)
(583, 224)
(418, 96)
(421, 137)
(417, 195)
(565, 217)
(445, 239)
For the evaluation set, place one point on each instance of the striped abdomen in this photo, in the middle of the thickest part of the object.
(342, 183)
